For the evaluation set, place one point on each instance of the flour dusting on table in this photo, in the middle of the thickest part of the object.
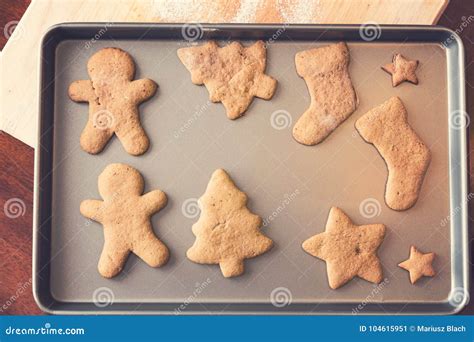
(296, 11)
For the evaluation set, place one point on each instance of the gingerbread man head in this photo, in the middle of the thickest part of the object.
(120, 179)
(110, 64)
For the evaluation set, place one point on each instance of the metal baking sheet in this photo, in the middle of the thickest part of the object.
(290, 185)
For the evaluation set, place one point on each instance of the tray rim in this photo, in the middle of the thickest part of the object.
(458, 178)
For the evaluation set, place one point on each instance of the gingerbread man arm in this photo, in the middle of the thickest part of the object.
(81, 91)
(142, 90)
(153, 201)
(92, 209)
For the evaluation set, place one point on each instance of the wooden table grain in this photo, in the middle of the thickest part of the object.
(16, 185)
(17, 160)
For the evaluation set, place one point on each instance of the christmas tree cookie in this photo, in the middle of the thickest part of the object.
(232, 74)
(226, 232)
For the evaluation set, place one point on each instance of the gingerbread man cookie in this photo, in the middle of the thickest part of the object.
(113, 102)
(233, 74)
(125, 214)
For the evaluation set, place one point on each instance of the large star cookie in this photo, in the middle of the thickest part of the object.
(232, 74)
(349, 250)
(418, 264)
(401, 69)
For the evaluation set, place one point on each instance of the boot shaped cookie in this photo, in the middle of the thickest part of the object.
(125, 214)
(226, 232)
(333, 99)
(233, 74)
(406, 156)
(113, 102)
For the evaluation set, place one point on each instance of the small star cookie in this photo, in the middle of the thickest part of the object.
(401, 69)
(418, 264)
(349, 250)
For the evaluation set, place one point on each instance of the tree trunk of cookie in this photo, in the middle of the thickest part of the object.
(232, 267)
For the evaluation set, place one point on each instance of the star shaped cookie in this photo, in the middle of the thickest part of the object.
(401, 69)
(349, 250)
(418, 264)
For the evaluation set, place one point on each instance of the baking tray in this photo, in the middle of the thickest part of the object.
(290, 185)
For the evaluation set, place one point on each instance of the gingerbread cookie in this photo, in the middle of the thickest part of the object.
(233, 74)
(406, 156)
(113, 102)
(226, 232)
(333, 99)
(349, 250)
(401, 69)
(418, 265)
(125, 214)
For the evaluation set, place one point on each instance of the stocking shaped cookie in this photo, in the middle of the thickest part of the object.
(233, 74)
(113, 102)
(125, 214)
(226, 232)
(407, 157)
(333, 98)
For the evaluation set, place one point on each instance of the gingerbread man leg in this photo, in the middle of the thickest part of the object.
(113, 258)
(151, 250)
(133, 137)
(93, 139)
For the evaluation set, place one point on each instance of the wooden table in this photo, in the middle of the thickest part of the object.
(16, 175)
